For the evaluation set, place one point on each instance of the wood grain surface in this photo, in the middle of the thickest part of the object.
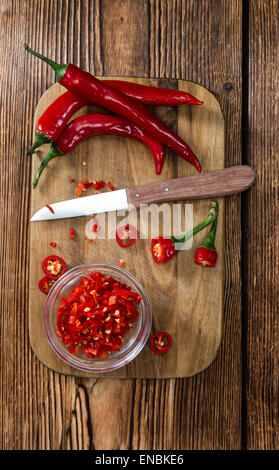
(230, 48)
(186, 301)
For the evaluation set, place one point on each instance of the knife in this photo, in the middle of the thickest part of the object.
(213, 184)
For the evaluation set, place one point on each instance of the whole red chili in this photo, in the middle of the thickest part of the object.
(160, 342)
(45, 284)
(153, 96)
(126, 235)
(206, 255)
(56, 116)
(90, 88)
(54, 266)
(163, 249)
(97, 314)
(97, 124)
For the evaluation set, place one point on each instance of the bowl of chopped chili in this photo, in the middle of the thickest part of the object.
(97, 317)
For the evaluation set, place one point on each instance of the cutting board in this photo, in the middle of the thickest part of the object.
(187, 300)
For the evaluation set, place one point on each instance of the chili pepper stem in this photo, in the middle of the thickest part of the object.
(40, 139)
(212, 218)
(210, 239)
(58, 68)
(53, 152)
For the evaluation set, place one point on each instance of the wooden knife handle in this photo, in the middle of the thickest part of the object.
(217, 183)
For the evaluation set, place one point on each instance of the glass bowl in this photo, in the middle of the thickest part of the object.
(134, 340)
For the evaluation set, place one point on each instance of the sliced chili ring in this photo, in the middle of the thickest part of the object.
(160, 342)
(54, 266)
(126, 235)
(45, 284)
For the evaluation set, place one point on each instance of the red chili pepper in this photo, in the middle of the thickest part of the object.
(55, 118)
(90, 88)
(97, 124)
(72, 233)
(160, 342)
(54, 266)
(45, 284)
(50, 209)
(126, 235)
(88, 319)
(153, 96)
(53, 244)
(163, 249)
(206, 255)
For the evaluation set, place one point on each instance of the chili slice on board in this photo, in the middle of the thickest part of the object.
(45, 284)
(160, 342)
(126, 235)
(54, 266)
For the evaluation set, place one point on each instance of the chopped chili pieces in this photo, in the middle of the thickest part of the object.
(97, 314)
(160, 343)
(50, 209)
(72, 180)
(53, 244)
(111, 186)
(71, 233)
(99, 184)
(126, 235)
(84, 185)
(54, 266)
(121, 263)
(45, 284)
(96, 227)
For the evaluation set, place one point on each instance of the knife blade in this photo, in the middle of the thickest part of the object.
(218, 183)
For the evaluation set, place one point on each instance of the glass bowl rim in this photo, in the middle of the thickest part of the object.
(135, 348)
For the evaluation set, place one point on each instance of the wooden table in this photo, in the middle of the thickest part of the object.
(230, 48)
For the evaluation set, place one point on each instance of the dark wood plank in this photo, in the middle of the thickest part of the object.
(260, 227)
(200, 41)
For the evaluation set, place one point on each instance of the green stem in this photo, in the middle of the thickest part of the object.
(59, 69)
(40, 139)
(210, 239)
(212, 216)
(53, 152)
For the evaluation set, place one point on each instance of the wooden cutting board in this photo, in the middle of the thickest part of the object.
(187, 300)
